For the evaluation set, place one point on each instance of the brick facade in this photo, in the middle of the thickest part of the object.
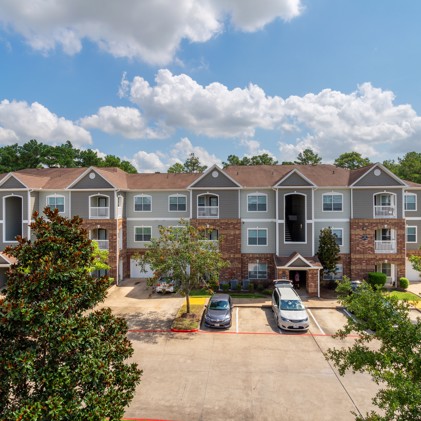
(363, 258)
(267, 258)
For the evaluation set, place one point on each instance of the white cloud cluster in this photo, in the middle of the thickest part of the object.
(150, 30)
(20, 122)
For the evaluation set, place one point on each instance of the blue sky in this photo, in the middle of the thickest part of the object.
(153, 81)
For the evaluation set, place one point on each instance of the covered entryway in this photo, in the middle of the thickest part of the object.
(304, 272)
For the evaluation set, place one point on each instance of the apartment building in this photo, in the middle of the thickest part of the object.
(267, 219)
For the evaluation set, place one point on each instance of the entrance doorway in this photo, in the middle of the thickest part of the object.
(298, 278)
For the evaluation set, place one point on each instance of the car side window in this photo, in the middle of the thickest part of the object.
(276, 298)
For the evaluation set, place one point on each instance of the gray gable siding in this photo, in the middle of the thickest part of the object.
(80, 202)
(87, 183)
(12, 183)
(214, 182)
(294, 180)
(384, 179)
(228, 202)
(363, 202)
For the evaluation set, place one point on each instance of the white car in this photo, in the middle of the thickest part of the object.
(289, 311)
(165, 285)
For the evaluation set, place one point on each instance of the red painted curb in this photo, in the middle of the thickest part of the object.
(184, 331)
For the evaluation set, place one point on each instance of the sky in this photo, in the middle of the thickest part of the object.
(154, 81)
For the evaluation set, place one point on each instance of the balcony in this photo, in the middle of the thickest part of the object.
(208, 211)
(385, 246)
(384, 211)
(102, 212)
(102, 244)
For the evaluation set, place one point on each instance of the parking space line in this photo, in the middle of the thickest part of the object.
(315, 321)
(236, 321)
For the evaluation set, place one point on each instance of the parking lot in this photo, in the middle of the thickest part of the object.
(252, 371)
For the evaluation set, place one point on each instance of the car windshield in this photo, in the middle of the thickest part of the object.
(219, 305)
(291, 305)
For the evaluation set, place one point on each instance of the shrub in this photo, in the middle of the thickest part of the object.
(251, 287)
(225, 287)
(267, 291)
(403, 283)
(376, 279)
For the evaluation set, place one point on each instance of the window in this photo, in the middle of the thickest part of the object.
(411, 234)
(143, 233)
(56, 202)
(143, 203)
(178, 203)
(332, 202)
(257, 237)
(410, 202)
(332, 276)
(337, 232)
(258, 270)
(257, 202)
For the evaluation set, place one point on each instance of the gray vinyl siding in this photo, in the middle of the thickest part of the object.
(41, 203)
(270, 205)
(215, 182)
(96, 183)
(154, 224)
(417, 224)
(287, 248)
(363, 202)
(294, 179)
(417, 212)
(228, 202)
(281, 201)
(12, 183)
(318, 204)
(384, 179)
(160, 205)
(80, 202)
(271, 237)
(318, 226)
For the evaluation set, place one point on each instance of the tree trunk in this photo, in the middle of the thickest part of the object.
(188, 301)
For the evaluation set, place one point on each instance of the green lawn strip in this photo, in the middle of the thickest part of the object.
(414, 299)
(245, 295)
(191, 321)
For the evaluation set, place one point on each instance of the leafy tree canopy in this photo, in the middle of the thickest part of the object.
(387, 347)
(59, 358)
(328, 252)
(191, 165)
(263, 159)
(351, 161)
(308, 157)
(37, 155)
(183, 253)
(407, 168)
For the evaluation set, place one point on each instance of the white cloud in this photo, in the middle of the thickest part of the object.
(125, 121)
(20, 122)
(150, 30)
(148, 162)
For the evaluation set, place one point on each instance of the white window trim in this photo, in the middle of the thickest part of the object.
(134, 202)
(176, 195)
(141, 226)
(4, 218)
(257, 194)
(404, 202)
(416, 234)
(333, 194)
(342, 235)
(55, 196)
(257, 229)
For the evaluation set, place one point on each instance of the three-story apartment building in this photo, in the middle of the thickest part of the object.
(267, 219)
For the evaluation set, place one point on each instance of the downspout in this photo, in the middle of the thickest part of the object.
(117, 252)
(28, 228)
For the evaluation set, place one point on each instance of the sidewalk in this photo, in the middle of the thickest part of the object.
(415, 287)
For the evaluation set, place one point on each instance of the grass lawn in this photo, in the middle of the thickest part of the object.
(191, 321)
(414, 299)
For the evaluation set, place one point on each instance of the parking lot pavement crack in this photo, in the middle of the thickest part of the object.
(337, 377)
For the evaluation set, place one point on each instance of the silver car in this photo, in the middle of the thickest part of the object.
(289, 311)
(218, 311)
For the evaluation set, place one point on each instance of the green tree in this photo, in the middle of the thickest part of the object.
(181, 253)
(263, 159)
(191, 165)
(115, 161)
(61, 156)
(387, 347)
(32, 154)
(59, 358)
(9, 158)
(308, 157)
(328, 251)
(88, 158)
(351, 161)
(408, 168)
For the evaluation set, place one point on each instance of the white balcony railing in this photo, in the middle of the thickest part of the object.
(99, 212)
(384, 211)
(208, 211)
(102, 244)
(385, 246)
